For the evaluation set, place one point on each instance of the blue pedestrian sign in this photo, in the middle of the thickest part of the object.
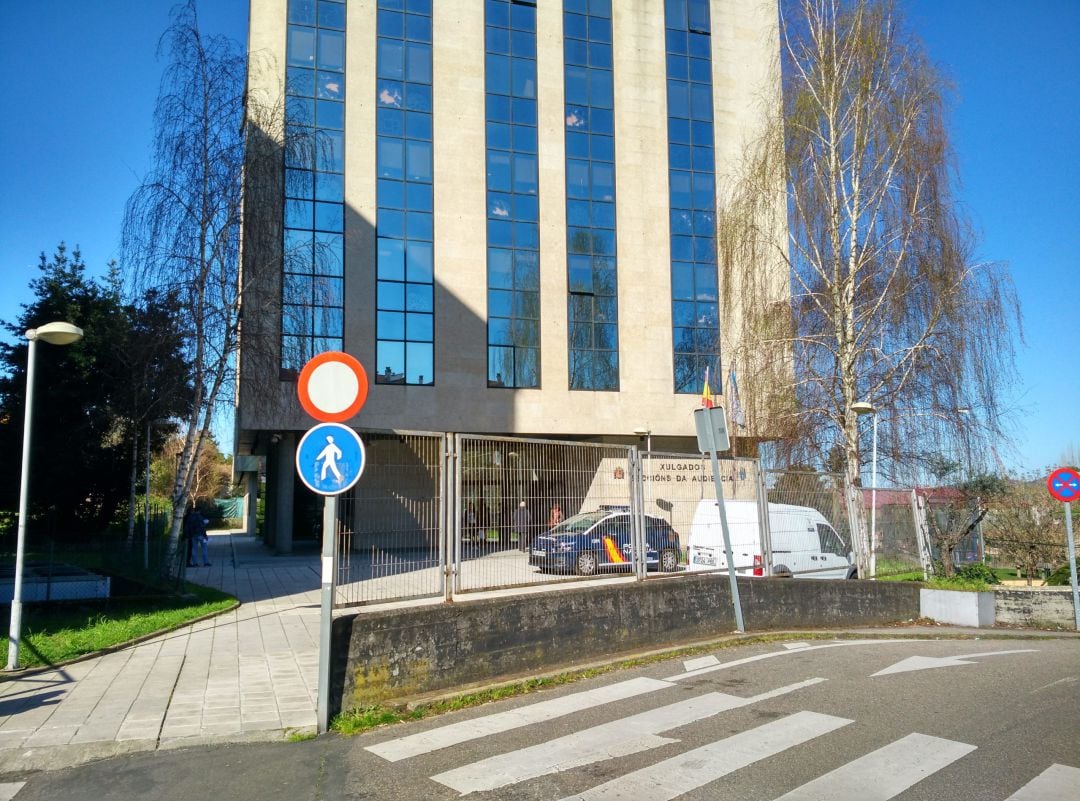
(330, 458)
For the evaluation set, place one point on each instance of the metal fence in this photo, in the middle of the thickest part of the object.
(391, 537)
(440, 514)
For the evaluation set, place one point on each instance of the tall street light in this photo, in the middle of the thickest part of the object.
(54, 334)
(861, 408)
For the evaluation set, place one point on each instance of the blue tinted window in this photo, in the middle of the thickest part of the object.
(691, 184)
(590, 197)
(405, 220)
(512, 204)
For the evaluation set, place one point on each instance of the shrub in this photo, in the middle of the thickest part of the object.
(1060, 577)
(977, 571)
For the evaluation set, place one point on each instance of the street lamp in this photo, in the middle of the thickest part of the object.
(860, 408)
(54, 334)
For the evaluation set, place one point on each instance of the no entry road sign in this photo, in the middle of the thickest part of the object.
(330, 458)
(332, 386)
(1064, 484)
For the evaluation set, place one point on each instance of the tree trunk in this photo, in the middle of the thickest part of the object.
(133, 480)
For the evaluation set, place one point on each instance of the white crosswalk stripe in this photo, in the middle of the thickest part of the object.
(623, 737)
(1056, 783)
(884, 773)
(454, 733)
(696, 768)
(9, 790)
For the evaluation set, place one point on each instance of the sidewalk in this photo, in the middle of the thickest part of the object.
(246, 675)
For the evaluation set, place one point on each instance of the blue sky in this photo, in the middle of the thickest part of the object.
(80, 81)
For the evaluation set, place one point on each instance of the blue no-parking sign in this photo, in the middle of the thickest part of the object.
(330, 458)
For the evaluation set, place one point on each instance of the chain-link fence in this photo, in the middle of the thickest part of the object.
(107, 565)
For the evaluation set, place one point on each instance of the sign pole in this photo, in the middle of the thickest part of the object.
(712, 436)
(326, 618)
(1072, 564)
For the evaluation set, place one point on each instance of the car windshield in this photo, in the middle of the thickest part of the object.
(579, 523)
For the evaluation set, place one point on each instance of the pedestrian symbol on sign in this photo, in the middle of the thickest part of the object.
(330, 458)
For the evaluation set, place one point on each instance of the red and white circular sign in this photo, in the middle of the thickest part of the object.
(332, 386)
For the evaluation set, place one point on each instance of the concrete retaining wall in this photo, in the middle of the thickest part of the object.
(383, 655)
(1039, 607)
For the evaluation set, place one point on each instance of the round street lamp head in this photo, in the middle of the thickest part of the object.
(862, 407)
(56, 333)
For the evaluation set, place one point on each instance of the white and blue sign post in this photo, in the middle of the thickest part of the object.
(1064, 486)
(329, 460)
(712, 437)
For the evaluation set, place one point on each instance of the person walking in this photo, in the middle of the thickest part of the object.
(198, 539)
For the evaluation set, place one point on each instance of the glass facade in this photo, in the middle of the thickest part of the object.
(405, 324)
(313, 293)
(691, 171)
(592, 308)
(513, 237)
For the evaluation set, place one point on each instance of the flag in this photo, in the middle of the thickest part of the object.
(706, 392)
(738, 416)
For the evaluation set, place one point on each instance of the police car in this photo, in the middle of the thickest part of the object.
(601, 540)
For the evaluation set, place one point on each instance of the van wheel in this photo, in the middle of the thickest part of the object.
(586, 563)
(853, 573)
(669, 560)
(782, 571)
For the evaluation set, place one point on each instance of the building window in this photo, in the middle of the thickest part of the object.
(691, 173)
(513, 237)
(405, 304)
(590, 196)
(313, 291)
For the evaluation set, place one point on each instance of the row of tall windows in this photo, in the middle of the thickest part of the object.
(405, 319)
(592, 307)
(692, 179)
(313, 292)
(513, 235)
(313, 281)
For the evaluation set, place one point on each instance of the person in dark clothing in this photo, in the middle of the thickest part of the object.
(197, 539)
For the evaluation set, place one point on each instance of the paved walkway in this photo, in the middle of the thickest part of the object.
(249, 674)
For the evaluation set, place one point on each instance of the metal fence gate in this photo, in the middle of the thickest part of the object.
(439, 514)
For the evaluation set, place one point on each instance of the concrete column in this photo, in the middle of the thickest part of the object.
(251, 504)
(284, 458)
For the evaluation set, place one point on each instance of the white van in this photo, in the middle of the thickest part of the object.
(804, 543)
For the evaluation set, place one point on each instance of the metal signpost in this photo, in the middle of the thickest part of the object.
(1064, 485)
(329, 460)
(712, 437)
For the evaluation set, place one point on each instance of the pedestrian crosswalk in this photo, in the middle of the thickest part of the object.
(875, 775)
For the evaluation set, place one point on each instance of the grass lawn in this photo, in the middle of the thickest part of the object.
(57, 632)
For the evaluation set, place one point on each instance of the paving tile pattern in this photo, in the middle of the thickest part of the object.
(248, 674)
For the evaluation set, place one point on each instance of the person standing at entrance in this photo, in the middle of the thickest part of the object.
(522, 524)
(555, 517)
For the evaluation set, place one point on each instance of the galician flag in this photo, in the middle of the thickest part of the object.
(706, 392)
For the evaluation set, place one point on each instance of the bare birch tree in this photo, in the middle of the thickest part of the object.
(887, 304)
(182, 225)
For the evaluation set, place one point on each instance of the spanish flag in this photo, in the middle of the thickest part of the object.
(706, 392)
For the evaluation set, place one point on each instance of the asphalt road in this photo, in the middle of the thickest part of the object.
(978, 720)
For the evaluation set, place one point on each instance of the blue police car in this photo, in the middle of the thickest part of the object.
(601, 540)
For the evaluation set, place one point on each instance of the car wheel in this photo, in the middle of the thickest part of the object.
(782, 571)
(669, 560)
(586, 563)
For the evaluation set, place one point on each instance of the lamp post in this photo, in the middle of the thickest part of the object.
(861, 408)
(54, 334)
